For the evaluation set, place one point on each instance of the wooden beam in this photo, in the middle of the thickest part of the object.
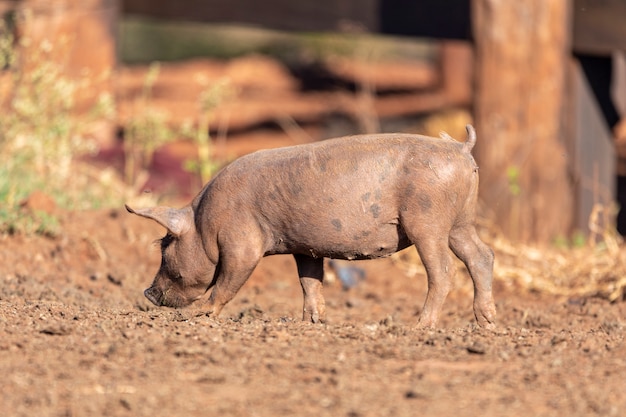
(599, 26)
(521, 57)
(592, 154)
(318, 15)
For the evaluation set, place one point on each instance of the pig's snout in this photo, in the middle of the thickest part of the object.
(168, 298)
(154, 295)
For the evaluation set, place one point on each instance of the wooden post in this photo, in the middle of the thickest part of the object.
(81, 38)
(521, 62)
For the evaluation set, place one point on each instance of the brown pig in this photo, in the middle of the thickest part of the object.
(358, 197)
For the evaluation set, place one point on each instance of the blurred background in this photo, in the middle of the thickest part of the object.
(109, 100)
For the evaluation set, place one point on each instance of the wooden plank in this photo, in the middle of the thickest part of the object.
(591, 152)
(425, 18)
(599, 26)
(318, 15)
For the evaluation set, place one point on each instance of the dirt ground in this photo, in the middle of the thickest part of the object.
(79, 338)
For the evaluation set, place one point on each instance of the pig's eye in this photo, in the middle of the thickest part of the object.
(166, 241)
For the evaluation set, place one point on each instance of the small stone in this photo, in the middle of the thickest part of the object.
(477, 348)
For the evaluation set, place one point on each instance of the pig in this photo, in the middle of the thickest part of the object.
(356, 197)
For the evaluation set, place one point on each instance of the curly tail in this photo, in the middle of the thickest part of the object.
(471, 139)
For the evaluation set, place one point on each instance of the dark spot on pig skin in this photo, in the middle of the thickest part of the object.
(322, 162)
(424, 202)
(410, 190)
(295, 189)
(362, 235)
(375, 209)
(337, 224)
(366, 196)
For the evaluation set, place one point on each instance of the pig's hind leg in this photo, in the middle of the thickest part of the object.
(478, 258)
(311, 273)
(437, 260)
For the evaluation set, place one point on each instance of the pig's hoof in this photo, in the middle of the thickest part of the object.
(486, 318)
(314, 314)
(202, 311)
(487, 324)
(314, 318)
(424, 323)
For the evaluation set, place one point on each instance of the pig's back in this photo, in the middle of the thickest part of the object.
(338, 198)
(344, 155)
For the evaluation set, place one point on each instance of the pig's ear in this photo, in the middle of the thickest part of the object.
(176, 221)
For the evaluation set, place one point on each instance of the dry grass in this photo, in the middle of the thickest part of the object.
(596, 268)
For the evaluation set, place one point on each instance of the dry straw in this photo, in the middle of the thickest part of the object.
(595, 268)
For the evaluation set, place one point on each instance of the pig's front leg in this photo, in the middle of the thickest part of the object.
(311, 273)
(236, 263)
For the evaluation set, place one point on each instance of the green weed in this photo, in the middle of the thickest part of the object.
(212, 96)
(41, 135)
(513, 177)
(145, 132)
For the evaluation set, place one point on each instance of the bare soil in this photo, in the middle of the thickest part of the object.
(79, 338)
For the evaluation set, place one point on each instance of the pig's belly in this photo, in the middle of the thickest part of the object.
(351, 245)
